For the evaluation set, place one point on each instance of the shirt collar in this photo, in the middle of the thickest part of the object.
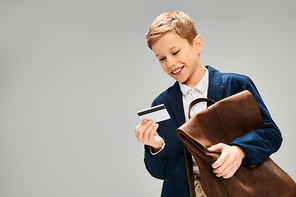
(201, 86)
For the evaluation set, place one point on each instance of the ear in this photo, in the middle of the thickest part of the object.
(198, 44)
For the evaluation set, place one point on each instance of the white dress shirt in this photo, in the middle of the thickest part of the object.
(190, 94)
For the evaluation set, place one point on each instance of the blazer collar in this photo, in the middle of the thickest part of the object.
(215, 90)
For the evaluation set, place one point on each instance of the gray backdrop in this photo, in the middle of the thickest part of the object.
(74, 73)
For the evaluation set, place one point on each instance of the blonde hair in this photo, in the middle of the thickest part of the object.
(173, 21)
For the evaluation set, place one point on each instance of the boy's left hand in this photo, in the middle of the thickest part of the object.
(229, 161)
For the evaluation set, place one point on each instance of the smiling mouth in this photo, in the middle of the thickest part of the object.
(177, 71)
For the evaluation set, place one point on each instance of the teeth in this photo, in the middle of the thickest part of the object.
(177, 71)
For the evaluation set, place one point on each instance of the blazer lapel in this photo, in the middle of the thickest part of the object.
(215, 90)
(176, 103)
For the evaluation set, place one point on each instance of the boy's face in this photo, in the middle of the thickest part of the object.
(179, 59)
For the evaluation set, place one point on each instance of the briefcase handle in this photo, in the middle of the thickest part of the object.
(194, 102)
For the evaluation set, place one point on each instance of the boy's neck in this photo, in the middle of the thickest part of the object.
(196, 77)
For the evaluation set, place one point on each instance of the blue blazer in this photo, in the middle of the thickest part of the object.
(169, 165)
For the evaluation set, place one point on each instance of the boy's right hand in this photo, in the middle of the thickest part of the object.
(146, 134)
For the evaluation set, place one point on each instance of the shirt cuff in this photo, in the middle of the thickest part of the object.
(157, 151)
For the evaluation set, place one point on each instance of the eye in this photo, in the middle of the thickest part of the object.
(175, 53)
(161, 59)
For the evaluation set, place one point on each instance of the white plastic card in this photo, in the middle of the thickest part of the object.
(155, 114)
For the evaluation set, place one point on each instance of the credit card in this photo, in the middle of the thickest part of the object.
(155, 114)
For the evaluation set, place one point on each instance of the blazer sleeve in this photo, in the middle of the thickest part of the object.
(156, 164)
(259, 144)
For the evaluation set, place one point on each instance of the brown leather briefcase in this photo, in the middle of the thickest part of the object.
(223, 122)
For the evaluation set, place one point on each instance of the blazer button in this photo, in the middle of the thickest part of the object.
(184, 179)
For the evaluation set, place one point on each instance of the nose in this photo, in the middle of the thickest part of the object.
(171, 61)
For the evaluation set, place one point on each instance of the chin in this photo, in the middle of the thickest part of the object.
(181, 81)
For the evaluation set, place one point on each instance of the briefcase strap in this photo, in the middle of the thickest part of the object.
(194, 102)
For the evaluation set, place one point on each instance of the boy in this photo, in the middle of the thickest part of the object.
(176, 44)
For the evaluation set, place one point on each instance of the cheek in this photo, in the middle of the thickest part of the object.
(185, 56)
(164, 67)
(192, 58)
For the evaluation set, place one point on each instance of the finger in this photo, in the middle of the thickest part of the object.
(142, 130)
(216, 148)
(233, 167)
(223, 170)
(137, 128)
(150, 133)
(155, 127)
(146, 134)
(231, 173)
(220, 166)
(153, 133)
(220, 162)
(223, 148)
(143, 122)
(228, 172)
